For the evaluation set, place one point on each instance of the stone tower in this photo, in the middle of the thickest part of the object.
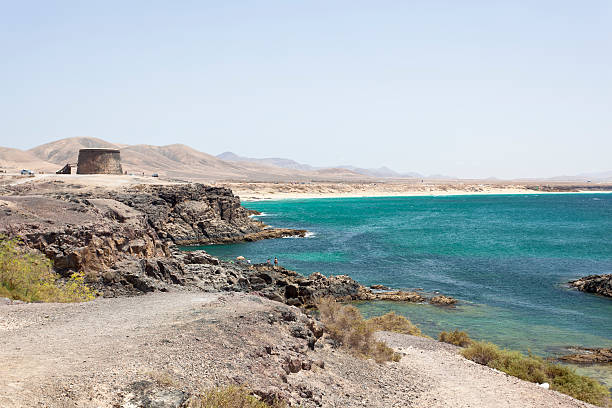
(99, 161)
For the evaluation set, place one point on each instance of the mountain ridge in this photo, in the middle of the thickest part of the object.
(173, 160)
(182, 161)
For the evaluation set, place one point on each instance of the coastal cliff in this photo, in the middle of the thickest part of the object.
(126, 243)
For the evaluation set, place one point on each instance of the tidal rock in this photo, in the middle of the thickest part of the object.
(442, 300)
(598, 284)
(589, 356)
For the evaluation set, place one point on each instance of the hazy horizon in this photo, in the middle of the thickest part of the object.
(472, 90)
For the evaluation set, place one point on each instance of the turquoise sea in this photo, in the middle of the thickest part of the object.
(506, 257)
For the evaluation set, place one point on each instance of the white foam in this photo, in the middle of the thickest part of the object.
(263, 214)
(307, 235)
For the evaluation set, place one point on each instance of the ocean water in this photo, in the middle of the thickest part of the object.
(506, 257)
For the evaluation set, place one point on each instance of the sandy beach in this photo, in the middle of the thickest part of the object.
(285, 191)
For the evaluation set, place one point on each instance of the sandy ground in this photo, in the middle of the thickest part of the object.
(254, 191)
(281, 191)
(93, 354)
(93, 180)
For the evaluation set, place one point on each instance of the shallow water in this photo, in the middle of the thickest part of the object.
(506, 257)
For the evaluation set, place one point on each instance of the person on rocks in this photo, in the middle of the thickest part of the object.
(268, 262)
(275, 262)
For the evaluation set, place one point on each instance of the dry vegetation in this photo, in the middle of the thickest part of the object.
(394, 323)
(28, 276)
(458, 338)
(230, 397)
(345, 325)
(537, 370)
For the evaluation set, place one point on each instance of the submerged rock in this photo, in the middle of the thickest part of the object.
(589, 356)
(598, 284)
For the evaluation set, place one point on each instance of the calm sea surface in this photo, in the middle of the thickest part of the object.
(506, 257)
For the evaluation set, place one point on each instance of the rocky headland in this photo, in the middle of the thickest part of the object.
(127, 240)
(598, 284)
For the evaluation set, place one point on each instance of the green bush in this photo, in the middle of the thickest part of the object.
(346, 326)
(28, 276)
(229, 397)
(535, 369)
(394, 323)
(458, 338)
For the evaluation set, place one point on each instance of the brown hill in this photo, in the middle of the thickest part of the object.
(15, 160)
(67, 150)
(181, 161)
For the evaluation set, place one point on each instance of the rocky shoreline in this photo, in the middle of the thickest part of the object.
(127, 242)
(597, 284)
(223, 322)
(585, 355)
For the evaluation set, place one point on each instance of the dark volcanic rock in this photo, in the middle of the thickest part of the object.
(125, 243)
(589, 356)
(442, 300)
(196, 214)
(599, 284)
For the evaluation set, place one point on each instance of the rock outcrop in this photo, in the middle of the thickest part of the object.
(126, 242)
(589, 356)
(598, 284)
(196, 214)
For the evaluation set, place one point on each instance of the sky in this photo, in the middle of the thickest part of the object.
(463, 88)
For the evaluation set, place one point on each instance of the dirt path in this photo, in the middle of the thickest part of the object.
(45, 341)
(457, 382)
(124, 352)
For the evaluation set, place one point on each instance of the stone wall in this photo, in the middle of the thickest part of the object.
(99, 161)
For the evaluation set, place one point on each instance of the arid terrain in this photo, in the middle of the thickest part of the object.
(157, 349)
(278, 191)
(181, 162)
(172, 324)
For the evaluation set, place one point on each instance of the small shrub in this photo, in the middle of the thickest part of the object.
(394, 323)
(346, 326)
(481, 352)
(28, 276)
(229, 397)
(535, 369)
(564, 379)
(458, 338)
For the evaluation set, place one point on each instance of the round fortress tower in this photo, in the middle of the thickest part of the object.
(99, 161)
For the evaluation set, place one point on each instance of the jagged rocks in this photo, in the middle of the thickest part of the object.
(598, 284)
(442, 300)
(589, 356)
(196, 214)
(126, 243)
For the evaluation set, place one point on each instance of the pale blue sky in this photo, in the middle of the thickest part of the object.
(467, 88)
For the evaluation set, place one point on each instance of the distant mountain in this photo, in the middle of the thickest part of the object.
(176, 160)
(67, 150)
(272, 161)
(182, 161)
(382, 172)
(602, 176)
(16, 159)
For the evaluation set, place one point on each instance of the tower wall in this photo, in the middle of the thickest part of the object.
(99, 161)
